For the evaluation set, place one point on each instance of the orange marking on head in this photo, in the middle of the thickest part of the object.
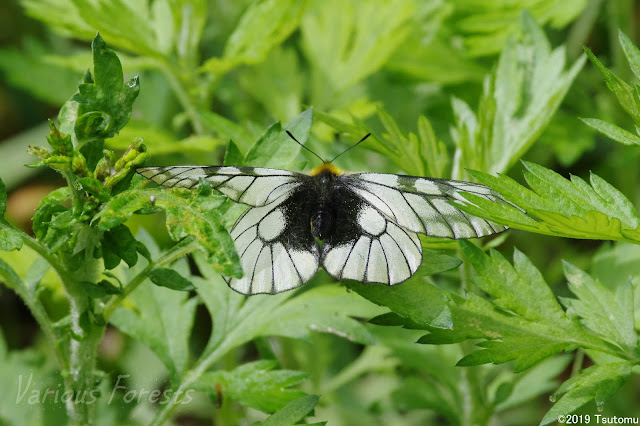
(326, 167)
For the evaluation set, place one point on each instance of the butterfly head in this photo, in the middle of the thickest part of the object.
(326, 168)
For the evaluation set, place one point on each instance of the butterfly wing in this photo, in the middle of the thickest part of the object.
(273, 237)
(421, 204)
(366, 245)
(276, 248)
(253, 186)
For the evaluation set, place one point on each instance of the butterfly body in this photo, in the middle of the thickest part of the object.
(360, 226)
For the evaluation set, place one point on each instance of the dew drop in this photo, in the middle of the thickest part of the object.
(600, 407)
(552, 398)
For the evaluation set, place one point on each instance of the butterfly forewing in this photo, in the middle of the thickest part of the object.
(422, 204)
(253, 186)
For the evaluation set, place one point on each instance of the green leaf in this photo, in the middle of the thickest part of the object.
(614, 132)
(292, 413)
(232, 155)
(278, 83)
(631, 51)
(275, 148)
(345, 42)
(256, 385)
(104, 106)
(538, 380)
(100, 289)
(626, 95)
(606, 313)
(518, 102)
(264, 25)
(522, 322)
(486, 26)
(23, 373)
(557, 206)
(187, 213)
(423, 304)
(162, 319)
(10, 238)
(226, 129)
(169, 278)
(597, 383)
(325, 309)
(120, 242)
(429, 53)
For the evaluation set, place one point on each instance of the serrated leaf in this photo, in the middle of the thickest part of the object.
(171, 279)
(609, 315)
(523, 321)
(256, 385)
(107, 99)
(597, 383)
(264, 25)
(625, 94)
(614, 132)
(345, 54)
(275, 148)
(518, 101)
(187, 213)
(416, 300)
(558, 206)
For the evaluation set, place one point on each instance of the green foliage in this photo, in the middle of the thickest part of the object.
(518, 102)
(627, 94)
(558, 206)
(9, 236)
(524, 322)
(450, 344)
(255, 385)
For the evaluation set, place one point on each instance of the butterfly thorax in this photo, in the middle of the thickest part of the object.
(322, 212)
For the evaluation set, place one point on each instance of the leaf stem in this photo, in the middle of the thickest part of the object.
(185, 246)
(36, 308)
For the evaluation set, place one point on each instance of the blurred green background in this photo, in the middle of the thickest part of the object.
(346, 58)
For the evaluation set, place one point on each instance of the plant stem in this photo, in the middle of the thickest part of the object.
(182, 92)
(193, 375)
(37, 310)
(180, 249)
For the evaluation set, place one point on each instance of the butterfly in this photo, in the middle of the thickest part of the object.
(357, 226)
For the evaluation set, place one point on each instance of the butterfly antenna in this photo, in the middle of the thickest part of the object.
(291, 136)
(351, 147)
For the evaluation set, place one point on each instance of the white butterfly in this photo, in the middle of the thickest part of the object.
(367, 222)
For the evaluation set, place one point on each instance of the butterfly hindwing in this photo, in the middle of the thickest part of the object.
(366, 245)
(254, 186)
(276, 248)
(422, 204)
